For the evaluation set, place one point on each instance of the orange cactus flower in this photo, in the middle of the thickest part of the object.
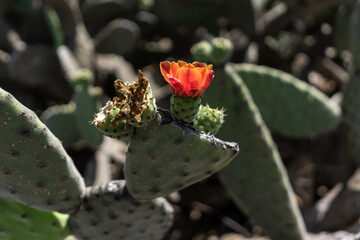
(187, 79)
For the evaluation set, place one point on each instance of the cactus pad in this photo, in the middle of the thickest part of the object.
(61, 121)
(86, 108)
(54, 25)
(287, 104)
(222, 50)
(256, 178)
(166, 156)
(120, 36)
(34, 168)
(201, 51)
(19, 222)
(109, 212)
(218, 51)
(351, 119)
(82, 76)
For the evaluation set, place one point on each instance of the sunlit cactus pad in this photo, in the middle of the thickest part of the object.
(166, 156)
(19, 222)
(256, 178)
(34, 168)
(109, 212)
(288, 105)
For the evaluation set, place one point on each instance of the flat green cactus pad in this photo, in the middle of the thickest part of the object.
(287, 104)
(166, 156)
(34, 168)
(256, 178)
(351, 121)
(108, 212)
(61, 121)
(86, 108)
(19, 222)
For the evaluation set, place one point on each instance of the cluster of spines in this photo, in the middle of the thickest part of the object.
(209, 120)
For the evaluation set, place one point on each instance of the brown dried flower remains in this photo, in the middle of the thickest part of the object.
(132, 99)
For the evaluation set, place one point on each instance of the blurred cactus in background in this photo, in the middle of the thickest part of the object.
(92, 149)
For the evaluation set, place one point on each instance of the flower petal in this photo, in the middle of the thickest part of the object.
(207, 81)
(173, 70)
(189, 77)
(204, 73)
(199, 65)
(165, 68)
(181, 63)
(176, 85)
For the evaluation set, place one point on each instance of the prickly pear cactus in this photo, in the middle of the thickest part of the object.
(120, 36)
(218, 51)
(86, 98)
(287, 104)
(351, 119)
(350, 104)
(201, 51)
(222, 50)
(19, 222)
(134, 107)
(68, 62)
(106, 122)
(166, 156)
(141, 94)
(209, 120)
(256, 178)
(81, 76)
(109, 212)
(61, 121)
(86, 108)
(346, 30)
(54, 25)
(34, 168)
(342, 28)
(184, 109)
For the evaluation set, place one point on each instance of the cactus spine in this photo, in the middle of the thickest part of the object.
(209, 120)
